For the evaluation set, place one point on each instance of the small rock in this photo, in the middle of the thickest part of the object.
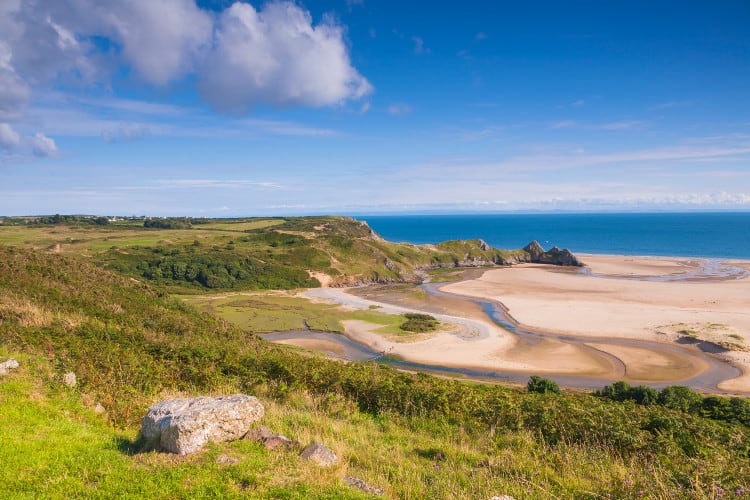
(258, 433)
(69, 379)
(99, 409)
(277, 440)
(8, 365)
(359, 484)
(502, 497)
(223, 459)
(320, 454)
(184, 425)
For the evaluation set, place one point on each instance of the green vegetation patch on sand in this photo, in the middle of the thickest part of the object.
(279, 311)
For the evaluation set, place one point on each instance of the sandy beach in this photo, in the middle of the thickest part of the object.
(666, 300)
(649, 320)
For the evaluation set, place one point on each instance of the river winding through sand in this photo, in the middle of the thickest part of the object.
(490, 344)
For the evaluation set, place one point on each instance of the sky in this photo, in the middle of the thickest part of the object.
(218, 108)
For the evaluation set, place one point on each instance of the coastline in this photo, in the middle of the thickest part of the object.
(619, 299)
(627, 352)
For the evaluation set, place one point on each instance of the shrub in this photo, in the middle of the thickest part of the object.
(680, 397)
(542, 385)
(418, 323)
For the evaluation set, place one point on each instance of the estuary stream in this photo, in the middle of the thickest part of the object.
(694, 364)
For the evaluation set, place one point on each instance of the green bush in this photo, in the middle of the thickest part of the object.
(542, 385)
(419, 323)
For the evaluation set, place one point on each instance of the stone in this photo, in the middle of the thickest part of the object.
(279, 441)
(99, 409)
(223, 459)
(554, 255)
(8, 365)
(258, 433)
(359, 484)
(534, 249)
(502, 497)
(69, 379)
(320, 454)
(185, 425)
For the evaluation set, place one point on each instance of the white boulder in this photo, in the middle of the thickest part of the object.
(184, 425)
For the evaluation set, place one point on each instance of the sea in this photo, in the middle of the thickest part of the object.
(705, 234)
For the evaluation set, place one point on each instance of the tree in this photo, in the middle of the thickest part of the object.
(542, 385)
(680, 397)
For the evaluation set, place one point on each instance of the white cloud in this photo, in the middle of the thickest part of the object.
(670, 105)
(160, 39)
(240, 57)
(619, 125)
(126, 132)
(43, 146)
(276, 56)
(419, 47)
(564, 124)
(9, 138)
(397, 109)
(14, 91)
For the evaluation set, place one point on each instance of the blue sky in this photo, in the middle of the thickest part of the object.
(224, 109)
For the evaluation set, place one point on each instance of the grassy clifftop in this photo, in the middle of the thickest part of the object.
(414, 435)
(279, 253)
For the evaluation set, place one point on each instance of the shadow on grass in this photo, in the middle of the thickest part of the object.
(132, 447)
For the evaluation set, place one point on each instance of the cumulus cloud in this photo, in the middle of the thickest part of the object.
(161, 40)
(14, 91)
(9, 138)
(43, 146)
(240, 56)
(276, 56)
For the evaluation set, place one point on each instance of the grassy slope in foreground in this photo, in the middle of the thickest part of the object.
(413, 435)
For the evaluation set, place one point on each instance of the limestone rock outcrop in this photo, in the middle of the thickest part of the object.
(554, 255)
(185, 425)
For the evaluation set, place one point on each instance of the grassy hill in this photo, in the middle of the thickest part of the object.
(259, 254)
(130, 343)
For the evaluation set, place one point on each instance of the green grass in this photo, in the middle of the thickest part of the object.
(242, 225)
(131, 344)
(249, 253)
(274, 311)
(54, 446)
(268, 312)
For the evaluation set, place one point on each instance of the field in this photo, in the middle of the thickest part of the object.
(130, 343)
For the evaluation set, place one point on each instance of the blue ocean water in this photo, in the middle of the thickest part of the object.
(715, 234)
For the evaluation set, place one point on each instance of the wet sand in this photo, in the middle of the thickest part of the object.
(670, 302)
(498, 348)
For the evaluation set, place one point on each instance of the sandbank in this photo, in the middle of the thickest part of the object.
(668, 300)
